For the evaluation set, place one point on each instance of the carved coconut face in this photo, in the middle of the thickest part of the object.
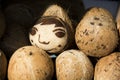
(50, 34)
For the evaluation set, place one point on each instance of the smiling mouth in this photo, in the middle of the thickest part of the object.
(50, 49)
(46, 43)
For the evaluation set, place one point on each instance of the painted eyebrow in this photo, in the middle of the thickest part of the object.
(59, 30)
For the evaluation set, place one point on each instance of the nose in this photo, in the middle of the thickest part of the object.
(43, 42)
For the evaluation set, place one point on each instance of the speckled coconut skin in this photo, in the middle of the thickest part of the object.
(73, 65)
(30, 63)
(3, 65)
(108, 68)
(96, 34)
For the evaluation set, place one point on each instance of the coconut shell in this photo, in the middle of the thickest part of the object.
(108, 67)
(47, 33)
(118, 27)
(3, 65)
(96, 34)
(30, 63)
(73, 65)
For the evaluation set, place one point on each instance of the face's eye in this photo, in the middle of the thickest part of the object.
(33, 31)
(59, 33)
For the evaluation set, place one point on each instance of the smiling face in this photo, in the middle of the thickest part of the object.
(49, 34)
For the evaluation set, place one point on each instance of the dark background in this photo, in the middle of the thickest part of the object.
(33, 9)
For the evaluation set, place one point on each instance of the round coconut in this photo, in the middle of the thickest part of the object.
(96, 34)
(53, 31)
(30, 63)
(3, 65)
(73, 65)
(108, 67)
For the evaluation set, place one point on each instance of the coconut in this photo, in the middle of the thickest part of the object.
(30, 63)
(108, 67)
(73, 65)
(96, 34)
(53, 32)
(3, 65)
